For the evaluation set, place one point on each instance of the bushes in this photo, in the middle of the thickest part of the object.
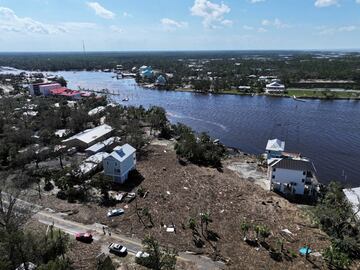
(199, 150)
(335, 216)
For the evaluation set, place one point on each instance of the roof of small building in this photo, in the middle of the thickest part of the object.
(353, 196)
(122, 152)
(294, 164)
(275, 145)
(90, 135)
(100, 145)
(96, 110)
(92, 162)
(275, 84)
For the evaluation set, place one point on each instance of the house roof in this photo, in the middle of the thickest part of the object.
(100, 145)
(92, 162)
(120, 153)
(353, 196)
(275, 145)
(89, 135)
(275, 84)
(294, 164)
(96, 110)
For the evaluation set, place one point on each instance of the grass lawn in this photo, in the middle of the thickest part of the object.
(308, 93)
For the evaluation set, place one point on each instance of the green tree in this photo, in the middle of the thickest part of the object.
(159, 259)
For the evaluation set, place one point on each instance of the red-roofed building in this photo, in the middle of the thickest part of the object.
(63, 91)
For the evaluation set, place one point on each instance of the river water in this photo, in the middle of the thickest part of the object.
(328, 132)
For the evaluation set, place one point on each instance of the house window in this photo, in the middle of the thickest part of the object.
(274, 169)
(304, 173)
(115, 164)
(303, 180)
(273, 177)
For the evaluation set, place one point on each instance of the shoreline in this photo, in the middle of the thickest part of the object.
(235, 93)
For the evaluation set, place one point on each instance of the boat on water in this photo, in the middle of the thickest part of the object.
(125, 99)
(297, 99)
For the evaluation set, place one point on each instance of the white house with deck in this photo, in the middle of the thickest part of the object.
(120, 162)
(289, 173)
(292, 176)
(275, 88)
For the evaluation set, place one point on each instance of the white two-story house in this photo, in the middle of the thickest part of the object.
(120, 162)
(292, 176)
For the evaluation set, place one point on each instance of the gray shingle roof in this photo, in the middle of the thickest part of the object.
(295, 164)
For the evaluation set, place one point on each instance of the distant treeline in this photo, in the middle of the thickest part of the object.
(229, 68)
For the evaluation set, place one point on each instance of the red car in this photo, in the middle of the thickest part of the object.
(84, 237)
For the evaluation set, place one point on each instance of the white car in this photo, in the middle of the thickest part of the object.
(115, 212)
(117, 249)
(142, 254)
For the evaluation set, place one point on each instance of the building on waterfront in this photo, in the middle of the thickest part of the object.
(244, 88)
(290, 173)
(160, 81)
(120, 162)
(275, 88)
(89, 137)
(65, 92)
(275, 148)
(293, 176)
(38, 89)
(146, 72)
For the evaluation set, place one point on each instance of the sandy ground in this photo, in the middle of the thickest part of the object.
(248, 169)
(178, 192)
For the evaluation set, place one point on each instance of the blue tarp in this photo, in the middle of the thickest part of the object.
(304, 250)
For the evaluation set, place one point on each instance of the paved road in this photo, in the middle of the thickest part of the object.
(49, 217)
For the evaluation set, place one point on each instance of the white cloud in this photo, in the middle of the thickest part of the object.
(326, 3)
(211, 13)
(9, 21)
(333, 30)
(170, 24)
(275, 23)
(116, 29)
(100, 10)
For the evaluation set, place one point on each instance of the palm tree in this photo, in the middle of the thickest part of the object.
(205, 219)
(245, 229)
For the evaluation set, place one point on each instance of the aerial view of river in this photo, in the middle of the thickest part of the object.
(328, 132)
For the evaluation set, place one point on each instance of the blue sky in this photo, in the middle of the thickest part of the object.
(118, 25)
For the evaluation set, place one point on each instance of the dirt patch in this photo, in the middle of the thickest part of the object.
(178, 192)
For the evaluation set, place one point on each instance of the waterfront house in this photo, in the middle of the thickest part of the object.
(244, 88)
(274, 148)
(353, 196)
(89, 137)
(65, 92)
(146, 72)
(293, 176)
(120, 162)
(38, 89)
(275, 88)
(160, 81)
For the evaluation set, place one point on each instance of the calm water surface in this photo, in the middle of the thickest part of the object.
(328, 132)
